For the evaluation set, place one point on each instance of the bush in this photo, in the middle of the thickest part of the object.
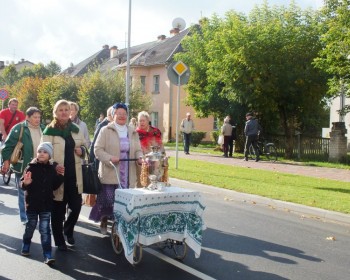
(214, 135)
(197, 137)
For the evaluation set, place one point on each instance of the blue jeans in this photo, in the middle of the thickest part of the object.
(44, 229)
(21, 201)
(187, 141)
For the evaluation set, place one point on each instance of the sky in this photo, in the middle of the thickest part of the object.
(69, 31)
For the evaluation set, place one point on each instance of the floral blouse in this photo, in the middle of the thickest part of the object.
(152, 137)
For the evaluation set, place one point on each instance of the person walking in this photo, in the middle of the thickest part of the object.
(9, 117)
(226, 131)
(116, 143)
(39, 180)
(74, 110)
(66, 139)
(251, 132)
(31, 135)
(186, 127)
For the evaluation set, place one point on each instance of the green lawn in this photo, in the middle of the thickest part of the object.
(321, 193)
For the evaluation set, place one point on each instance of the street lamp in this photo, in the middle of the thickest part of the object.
(127, 83)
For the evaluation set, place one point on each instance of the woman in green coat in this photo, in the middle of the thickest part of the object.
(32, 132)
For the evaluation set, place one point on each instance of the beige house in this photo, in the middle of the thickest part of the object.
(148, 67)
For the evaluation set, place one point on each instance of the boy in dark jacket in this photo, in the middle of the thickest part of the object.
(39, 180)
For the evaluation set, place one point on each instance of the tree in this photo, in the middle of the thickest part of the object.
(26, 91)
(53, 69)
(9, 75)
(261, 62)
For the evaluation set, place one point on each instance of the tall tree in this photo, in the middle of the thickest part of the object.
(261, 62)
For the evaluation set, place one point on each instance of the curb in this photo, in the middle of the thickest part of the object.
(298, 209)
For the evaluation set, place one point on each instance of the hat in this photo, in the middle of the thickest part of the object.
(249, 114)
(188, 114)
(47, 147)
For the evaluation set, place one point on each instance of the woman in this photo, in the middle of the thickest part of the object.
(74, 109)
(149, 135)
(32, 131)
(114, 143)
(133, 123)
(226, 131)
(66, 139)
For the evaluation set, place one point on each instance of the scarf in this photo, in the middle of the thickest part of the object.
(55, 128)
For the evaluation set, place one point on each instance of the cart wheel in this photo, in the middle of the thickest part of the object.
(137, 254)
(180, 249)
(116, 244)
(6, 177)
(161, 245)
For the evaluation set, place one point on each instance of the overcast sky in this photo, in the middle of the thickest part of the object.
(68, 31)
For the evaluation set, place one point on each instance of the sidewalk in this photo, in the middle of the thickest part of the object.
(310, 171)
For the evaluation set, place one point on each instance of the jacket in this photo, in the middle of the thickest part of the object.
(58, 144)
(108, 145)
(27, 150)
(39, 194)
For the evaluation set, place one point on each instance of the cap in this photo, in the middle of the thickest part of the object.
(47, 147)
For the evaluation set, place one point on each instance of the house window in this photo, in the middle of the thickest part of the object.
(143, 84)
(154, 119)
(156, 84)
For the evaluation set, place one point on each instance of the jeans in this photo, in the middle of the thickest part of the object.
(251, 140)
(187, 141)
(21, 201)
(44, 229)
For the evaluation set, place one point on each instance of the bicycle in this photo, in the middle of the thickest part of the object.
(265, 148)
(6, 177)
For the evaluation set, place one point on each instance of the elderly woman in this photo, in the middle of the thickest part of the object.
(74, 109)
(66, 139)
(116, 143)
(32, 131)
(149, 135)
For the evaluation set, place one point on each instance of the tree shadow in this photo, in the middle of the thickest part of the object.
(334, 189)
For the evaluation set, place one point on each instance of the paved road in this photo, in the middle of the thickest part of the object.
(311, 171)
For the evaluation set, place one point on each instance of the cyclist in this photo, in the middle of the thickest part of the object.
(251, 132)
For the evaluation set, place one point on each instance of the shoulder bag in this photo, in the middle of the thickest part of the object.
(17, 151)
(91, 182)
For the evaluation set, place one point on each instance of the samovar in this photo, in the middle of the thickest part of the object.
(155, 168)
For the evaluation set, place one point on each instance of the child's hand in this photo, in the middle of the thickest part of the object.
(60, 169)
(27, 178)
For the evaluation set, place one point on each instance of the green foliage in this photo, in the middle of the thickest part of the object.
(197, 137)
(261, 63)
(26, 91)
(9, 75)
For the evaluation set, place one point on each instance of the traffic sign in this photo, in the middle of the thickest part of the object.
(4, 94)
(177, 69)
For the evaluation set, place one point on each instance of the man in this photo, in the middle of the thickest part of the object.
(233, 137)
(251, 132)
(10, 117)
(186, 127)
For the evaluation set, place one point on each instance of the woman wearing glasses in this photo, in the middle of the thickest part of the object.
(116, 143)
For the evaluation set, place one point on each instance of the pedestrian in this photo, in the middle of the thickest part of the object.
(31, 135)
(186, 127)
(74, 110)
(251, 132)
(9, 117)
(233, 137)
(39, 180)
(133, 123)
(67, 139)
(226, 131)
(116, 143)
(99, 120)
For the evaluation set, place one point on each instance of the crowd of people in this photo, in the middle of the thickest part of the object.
(48, 175)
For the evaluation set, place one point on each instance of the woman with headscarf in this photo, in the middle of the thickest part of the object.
(32, 131)
(66, 139)
(116, 143)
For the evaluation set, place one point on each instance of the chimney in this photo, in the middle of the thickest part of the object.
(113, 51)
(161, 37)
(105, 47)
(2, 64)
(174, 31)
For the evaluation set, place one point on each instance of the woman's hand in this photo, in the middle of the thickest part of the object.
(60, 169)
(114, 159)
(27, 178)
(78, 151)
(5, 166)
(139, 161)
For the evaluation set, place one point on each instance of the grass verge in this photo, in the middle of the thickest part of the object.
(322, 193)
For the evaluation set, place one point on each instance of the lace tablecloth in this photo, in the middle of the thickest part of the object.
(147, 217)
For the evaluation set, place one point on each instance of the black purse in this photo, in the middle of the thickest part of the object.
(91, 182)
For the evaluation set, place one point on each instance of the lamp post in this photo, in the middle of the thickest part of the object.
(127, 82)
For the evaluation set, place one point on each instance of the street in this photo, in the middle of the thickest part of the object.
(243, 240)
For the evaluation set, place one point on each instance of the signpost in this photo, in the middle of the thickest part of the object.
(178, 73)
(4, 94)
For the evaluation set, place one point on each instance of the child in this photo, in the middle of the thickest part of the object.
(39, 180)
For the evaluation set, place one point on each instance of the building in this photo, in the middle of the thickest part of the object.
(19, 65)
(148, 66)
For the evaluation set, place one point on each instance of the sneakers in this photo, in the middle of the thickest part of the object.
(71, 240)
(48, 259)
(25, 250)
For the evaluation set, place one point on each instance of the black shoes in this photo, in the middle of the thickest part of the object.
(71, 240)
(245, 159)
(62, 247)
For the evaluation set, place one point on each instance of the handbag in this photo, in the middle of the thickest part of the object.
(91, 182)
(17, 151)
(221, 139)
